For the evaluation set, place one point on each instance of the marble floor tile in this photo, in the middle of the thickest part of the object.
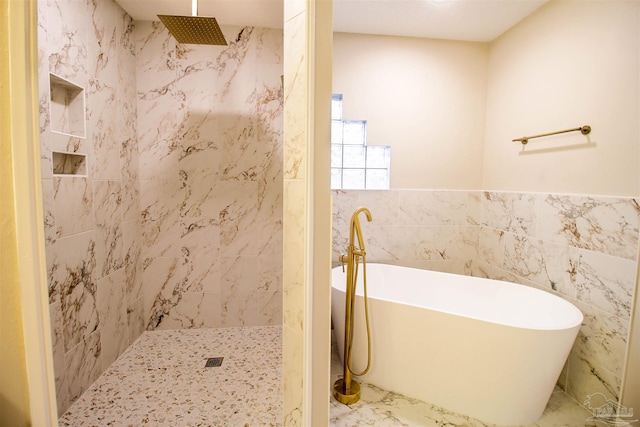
(161, 380)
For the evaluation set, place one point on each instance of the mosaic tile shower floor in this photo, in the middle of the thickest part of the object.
(161, 380)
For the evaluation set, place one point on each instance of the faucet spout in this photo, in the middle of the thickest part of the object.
(355, 229)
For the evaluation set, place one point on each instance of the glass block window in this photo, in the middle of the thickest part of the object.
(354, 164)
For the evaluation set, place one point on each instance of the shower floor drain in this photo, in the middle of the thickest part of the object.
(214, 362)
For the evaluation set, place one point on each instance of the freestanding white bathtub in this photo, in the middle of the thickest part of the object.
(484, 348)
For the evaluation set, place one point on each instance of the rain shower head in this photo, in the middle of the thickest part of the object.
(194, 29)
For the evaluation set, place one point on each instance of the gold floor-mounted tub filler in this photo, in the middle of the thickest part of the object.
(346, 390)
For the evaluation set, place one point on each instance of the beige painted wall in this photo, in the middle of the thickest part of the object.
(568, 64)
(27, 394)
(14, 393)
(425, 98)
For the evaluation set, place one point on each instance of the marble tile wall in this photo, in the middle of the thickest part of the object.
(296, 210)
(436, 230)
(91, 220)
(210, 154)
(583, 248)
(183, 189)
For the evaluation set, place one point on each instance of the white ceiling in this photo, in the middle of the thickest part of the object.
(471, 20)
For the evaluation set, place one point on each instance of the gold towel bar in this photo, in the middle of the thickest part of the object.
(585, 130)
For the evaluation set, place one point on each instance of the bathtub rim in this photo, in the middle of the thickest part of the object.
(576, 322)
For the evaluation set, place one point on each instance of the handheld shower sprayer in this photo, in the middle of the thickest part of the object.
(355, 227)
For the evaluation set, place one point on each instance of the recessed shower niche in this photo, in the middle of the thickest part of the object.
(67, 106)
(69, 164)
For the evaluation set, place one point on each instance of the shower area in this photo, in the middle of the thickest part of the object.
(162, 183)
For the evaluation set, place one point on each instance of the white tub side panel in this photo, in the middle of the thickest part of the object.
(495, 373)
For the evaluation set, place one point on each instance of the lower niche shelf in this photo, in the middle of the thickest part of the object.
(69, 164)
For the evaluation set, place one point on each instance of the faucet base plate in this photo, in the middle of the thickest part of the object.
(346, 397)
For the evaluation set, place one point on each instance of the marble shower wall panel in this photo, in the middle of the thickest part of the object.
(582, 248)
(73, 205)
(599, 224)
(75, 277)
(113, 316)
(436, 230)
(210, 155)
(160, 205)
(512, 212)
(108, 217)
(92, 222)
(63, 29)
(543, 263)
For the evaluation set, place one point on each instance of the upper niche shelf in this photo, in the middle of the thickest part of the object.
(67, 106)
